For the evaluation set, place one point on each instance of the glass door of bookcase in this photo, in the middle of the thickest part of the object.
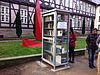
(62, 39)
(48, 37)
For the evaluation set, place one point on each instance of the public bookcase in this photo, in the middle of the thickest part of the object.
(55, 38)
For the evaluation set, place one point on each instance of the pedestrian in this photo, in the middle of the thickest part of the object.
(72, 44)
(91, 46)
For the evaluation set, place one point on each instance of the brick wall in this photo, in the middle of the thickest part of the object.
(11, 33)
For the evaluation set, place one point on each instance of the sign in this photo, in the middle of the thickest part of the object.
(62, 25)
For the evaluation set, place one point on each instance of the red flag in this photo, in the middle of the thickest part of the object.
(38, 22)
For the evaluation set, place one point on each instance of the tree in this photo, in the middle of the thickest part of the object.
(83, 26)
(92, 25)
(18, 24)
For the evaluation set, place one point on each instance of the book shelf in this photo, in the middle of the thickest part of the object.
(55, 37)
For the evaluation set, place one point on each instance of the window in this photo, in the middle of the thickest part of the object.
(71, 1)
(22, 19)
(98, 27)
(2, 9)
(81, 5)
(73, 21)
(23, 13)
(76, 22)
(25, 19)
(57, 1)
(6, 17)
(32, 1)
(78, 6)
(89, 8)
(86, 5)
(87, 22)
(6, 10)
(74, 4)
(80, 21)
(2, 17)
(83, 8)
(99, 18)
(94, 10)
(4, 14)
(46, 0)
(99, 9)
(67, 3)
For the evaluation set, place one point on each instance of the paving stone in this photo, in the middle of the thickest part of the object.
(80, 67)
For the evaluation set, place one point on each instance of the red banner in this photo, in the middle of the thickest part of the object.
(30, 43)
(38, 22)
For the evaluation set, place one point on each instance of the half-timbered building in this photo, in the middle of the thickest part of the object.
(8, 9)
(97, 17)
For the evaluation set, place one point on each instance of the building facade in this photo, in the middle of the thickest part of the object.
(8, 9)
(97, 18)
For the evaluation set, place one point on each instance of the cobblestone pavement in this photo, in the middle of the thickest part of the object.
(80, 67)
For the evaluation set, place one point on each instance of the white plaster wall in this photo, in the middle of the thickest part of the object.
(3, 25)
(31, 9)
(13, 16)
(15, 6)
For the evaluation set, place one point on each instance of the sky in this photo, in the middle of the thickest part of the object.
(96, 1)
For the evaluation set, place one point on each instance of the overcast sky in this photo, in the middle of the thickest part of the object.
(96, 1)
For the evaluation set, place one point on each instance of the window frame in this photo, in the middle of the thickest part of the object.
(4, 13)
(23, 13)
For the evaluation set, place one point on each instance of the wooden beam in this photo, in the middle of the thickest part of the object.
(30, 16)
(10, 14)
(0, 14)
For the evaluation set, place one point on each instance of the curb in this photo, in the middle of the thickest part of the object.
(80, 49)
(20, 57)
